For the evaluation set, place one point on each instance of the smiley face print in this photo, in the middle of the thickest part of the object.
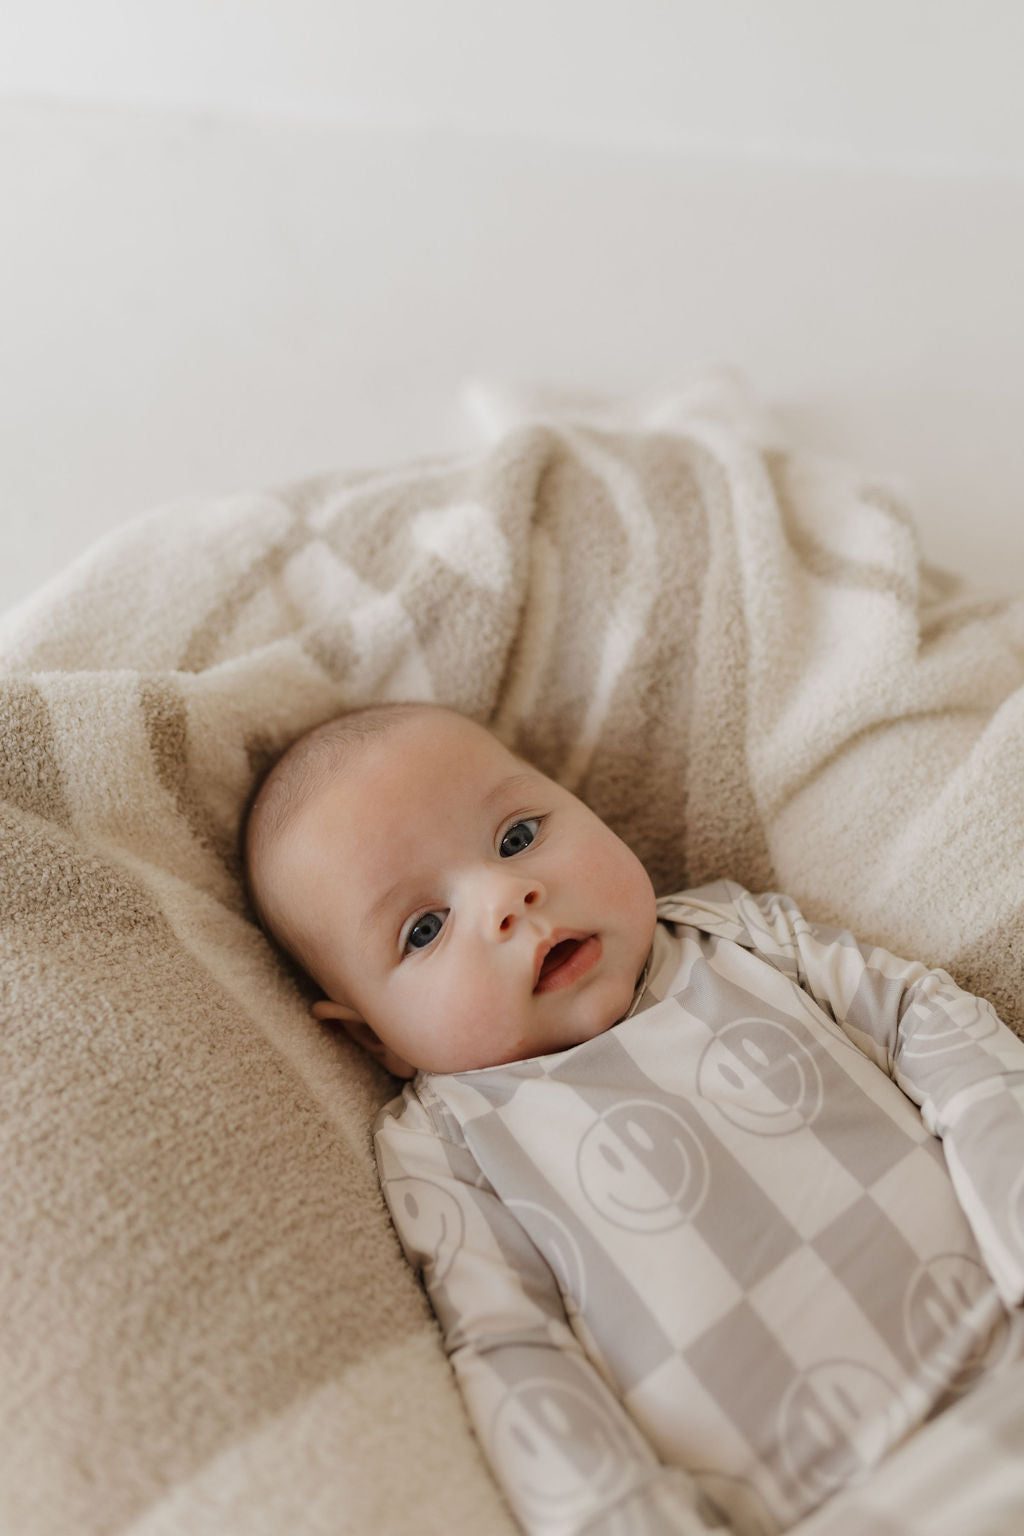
(833, 1424)
(642, 1167)
(431, 1224)
(558, 1448)
(761, 1077)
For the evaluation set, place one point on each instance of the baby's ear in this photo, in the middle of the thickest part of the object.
(327, 1008)
(358, 1030)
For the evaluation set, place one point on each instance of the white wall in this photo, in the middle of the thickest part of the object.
(897, 82)
(241, 243)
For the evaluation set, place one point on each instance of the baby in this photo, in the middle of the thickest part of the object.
(669, 1168)
(386, 854)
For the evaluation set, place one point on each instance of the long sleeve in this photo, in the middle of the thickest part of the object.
(945, 1048)
(568, 1456)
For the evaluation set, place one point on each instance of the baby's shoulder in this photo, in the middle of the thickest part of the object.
(719, 908)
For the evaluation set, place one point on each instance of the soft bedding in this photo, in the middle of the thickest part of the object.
(729, 647)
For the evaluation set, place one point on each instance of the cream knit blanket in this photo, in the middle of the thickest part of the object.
(729, 649)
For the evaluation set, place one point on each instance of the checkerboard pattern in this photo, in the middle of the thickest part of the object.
(715, 1259)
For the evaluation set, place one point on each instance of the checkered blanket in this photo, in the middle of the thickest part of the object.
(729, 648)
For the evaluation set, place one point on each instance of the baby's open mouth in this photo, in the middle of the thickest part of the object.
(566, 961)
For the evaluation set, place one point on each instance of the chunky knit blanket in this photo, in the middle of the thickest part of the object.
(728, 647)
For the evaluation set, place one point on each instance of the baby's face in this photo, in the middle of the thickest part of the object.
(466, 908)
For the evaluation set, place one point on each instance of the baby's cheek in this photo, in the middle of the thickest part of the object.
(458, 1007)
(487, 1020)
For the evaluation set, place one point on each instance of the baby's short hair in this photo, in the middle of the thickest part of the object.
(296, 775)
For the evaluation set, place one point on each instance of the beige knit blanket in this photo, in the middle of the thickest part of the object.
(729, 649)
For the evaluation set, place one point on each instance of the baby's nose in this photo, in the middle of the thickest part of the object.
(510, 901)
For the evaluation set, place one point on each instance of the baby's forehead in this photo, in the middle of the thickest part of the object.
(441, 735)
(418, 763)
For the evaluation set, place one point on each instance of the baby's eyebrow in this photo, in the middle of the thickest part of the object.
(384, 901)
(505, 787)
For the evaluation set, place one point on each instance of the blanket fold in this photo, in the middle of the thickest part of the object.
(731, 651)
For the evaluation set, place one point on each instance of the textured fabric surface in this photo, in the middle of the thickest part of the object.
(728, 649)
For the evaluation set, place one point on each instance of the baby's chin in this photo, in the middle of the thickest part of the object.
(568, 1038)
(551, 1044)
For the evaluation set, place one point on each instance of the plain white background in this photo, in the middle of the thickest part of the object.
(246, 242)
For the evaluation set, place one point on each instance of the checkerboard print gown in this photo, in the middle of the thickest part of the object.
(712, 1265)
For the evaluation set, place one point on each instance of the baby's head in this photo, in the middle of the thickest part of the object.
(458, 908)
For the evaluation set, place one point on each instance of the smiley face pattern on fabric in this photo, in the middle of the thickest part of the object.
(712, 1265)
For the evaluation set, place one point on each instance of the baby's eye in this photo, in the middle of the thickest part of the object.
(424, 930)
(519, 836)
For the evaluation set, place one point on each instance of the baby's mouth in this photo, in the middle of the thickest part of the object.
(566, 961)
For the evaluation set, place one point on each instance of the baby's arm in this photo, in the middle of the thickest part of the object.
(566, 1453)
(946, 1049)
